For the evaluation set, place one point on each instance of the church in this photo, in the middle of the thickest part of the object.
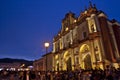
(88, 41)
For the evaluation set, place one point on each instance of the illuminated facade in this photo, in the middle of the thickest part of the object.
(88, 41)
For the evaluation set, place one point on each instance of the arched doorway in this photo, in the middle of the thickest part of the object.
(85, 57)
(67, 63)
(87, 62)
(57, 66)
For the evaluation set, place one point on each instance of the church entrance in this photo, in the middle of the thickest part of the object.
(57, 66)
(67, 61)
(69, 65)
(85, 57)
(87, 62)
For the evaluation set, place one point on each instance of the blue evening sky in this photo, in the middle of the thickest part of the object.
(26, 24)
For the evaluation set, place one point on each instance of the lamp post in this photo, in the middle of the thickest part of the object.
(46, 44)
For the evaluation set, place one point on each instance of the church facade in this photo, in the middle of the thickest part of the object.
(88, 41)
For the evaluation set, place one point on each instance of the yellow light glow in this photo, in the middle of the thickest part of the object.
(66, 29)
(75, 21)
(46, 44)
(85, 12)
(56, 57)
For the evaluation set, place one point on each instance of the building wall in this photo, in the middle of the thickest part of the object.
(116, 31)
(88, 42)
(39, 64)
(49, 62)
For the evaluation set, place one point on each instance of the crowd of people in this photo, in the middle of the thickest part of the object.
(78, 74)
(93, 74)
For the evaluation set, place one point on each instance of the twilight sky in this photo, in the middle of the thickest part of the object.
(26, 24)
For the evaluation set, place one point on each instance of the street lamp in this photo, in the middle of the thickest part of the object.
(46, 44)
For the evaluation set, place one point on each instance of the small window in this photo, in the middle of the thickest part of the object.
(84, 34)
